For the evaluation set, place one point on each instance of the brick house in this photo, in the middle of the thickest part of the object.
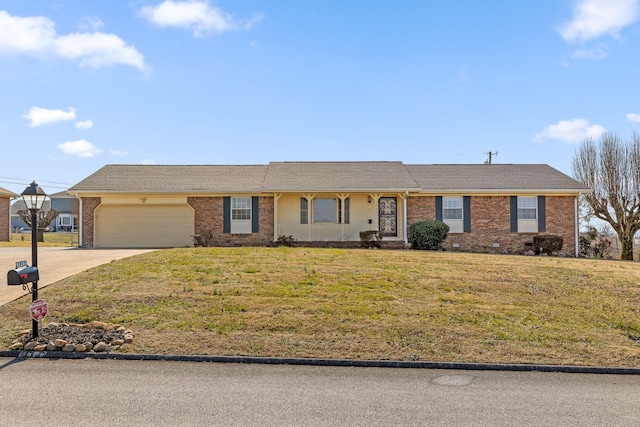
(489, 208)
(5, 214)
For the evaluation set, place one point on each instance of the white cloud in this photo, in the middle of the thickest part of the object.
(595, 18)
(575, 130)
(635, 118)
(118, 152)
(84, 124)
(90, 23)
(196, 15)
(80, 148)
(149, 162)
(37, 36)
(596, 54)
(42, 116)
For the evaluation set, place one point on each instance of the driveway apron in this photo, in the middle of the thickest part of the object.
(55, 264)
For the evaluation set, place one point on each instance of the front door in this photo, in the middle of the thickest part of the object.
(388, 214)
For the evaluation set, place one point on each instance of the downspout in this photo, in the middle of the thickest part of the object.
(577, 226)
(406, 226)
(80, 220)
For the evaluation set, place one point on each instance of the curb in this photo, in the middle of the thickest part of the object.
(570, 369)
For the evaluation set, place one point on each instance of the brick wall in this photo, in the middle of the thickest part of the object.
(89, 205)
(5, 206)
(208, 215)
(491, 226)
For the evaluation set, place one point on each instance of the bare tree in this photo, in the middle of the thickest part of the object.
(611, 168)
(45, 218)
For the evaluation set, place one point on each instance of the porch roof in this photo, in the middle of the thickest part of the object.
(6, 193)
(338, 176)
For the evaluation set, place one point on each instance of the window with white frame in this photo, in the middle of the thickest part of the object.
(452, 213)
(241, 215)
(527, 214)
(527, 207)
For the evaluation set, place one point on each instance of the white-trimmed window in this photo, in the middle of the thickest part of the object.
(241, 215)
(527, 214)
(452, 214)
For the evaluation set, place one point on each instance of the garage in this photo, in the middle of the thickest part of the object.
(143, 226)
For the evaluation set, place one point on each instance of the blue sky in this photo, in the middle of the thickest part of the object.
(89, 83)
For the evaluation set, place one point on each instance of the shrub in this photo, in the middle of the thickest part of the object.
(371, 239)
(205, 238)
(547, 244)
(283, 240)
(594, 243)
(428, 235)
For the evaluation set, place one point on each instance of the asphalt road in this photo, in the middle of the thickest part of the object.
(158, 393)
(55, 264)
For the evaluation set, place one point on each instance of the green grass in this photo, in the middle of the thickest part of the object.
(50, 240)
(358, 304)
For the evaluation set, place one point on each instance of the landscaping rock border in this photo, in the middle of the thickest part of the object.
(94, 337)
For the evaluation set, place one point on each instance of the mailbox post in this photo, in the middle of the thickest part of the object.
(34, 199)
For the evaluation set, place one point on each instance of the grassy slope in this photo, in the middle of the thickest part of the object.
(365, 304)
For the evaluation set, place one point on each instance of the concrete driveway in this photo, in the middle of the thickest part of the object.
(55, 264)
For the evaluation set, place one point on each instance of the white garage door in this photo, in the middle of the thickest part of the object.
(149, 226)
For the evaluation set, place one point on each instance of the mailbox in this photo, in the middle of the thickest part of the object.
(22, 276)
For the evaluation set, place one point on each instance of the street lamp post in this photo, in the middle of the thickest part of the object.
(34, 199)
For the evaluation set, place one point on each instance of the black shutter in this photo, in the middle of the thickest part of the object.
(466, 213)
(542, 216)
(438, 208)
(226, 214)
(514, 213)
(255, 214)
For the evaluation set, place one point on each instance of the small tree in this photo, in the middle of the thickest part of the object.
(45, 218)
(612, 169)
(428, 235)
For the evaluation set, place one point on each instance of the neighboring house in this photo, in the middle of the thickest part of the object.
(5, 213)
(489, 208)
(65, 204)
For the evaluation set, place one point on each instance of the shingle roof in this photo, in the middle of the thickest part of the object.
(492, 177)
(174, 179)
(327, 176)
(6, 193)
(20, 205)
(338, 176)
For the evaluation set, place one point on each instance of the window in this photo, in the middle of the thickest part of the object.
(324, 210)
(346, 211)
(241, 209)
(527, 208)
(304, 211)
(451, 208)
(452, 213)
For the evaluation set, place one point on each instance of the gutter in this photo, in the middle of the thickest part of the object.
(406, 226)
(577, 225)
(80, 221)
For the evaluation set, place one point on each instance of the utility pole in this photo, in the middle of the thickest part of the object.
(490, 154)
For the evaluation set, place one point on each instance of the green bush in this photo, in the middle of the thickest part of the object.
(428, 235)
(547, 244)
(371, 239)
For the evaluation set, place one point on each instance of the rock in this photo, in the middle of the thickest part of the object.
(30, 345)
(88, 345)
(59, 343)
(100, 347)
(52, 325)
(24, 333)
(117, 342)
(51, 346)
(121, 329)
(40, 347)
(16, 346)
(530, 253)
(128, 332)
(128, 338)
(69, 348)
(80, 348)
(98, 325)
